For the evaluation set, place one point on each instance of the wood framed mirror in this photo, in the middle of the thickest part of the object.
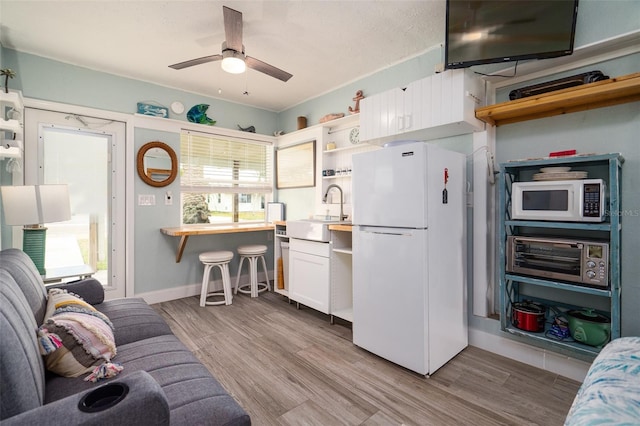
(157, 164)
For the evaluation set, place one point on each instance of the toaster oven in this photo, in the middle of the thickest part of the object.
(577, 261)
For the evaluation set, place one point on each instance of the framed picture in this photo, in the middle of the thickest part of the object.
(296, 166)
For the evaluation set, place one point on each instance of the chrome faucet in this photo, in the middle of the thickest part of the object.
(324, 199)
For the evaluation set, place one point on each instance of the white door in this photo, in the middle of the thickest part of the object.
(309, 274)
(88, 154)
(390, 294)
(389, 187)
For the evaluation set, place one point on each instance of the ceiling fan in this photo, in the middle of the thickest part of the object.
(233, 58)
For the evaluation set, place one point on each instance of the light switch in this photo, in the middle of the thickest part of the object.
(146, 200)
(168, 198)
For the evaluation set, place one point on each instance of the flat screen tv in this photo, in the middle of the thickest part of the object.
(492, 31)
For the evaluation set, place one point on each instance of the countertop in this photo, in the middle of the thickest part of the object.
(341, 227)
(184, 232)
(215, 229)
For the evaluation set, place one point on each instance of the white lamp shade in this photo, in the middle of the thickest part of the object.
(233, 64)
(35, 205)
(20, 205)
(53, 203)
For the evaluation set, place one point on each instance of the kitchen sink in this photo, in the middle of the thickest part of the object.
(316, 229)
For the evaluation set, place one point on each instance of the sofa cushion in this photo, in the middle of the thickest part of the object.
(194, 396)
(89, 289)
(133, 320)
(22, 385)
(84, 336)
(24, 272)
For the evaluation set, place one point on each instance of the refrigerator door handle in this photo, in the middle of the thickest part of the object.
(399, 234)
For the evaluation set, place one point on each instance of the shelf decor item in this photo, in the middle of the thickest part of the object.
(177, 107)
(32, 207)
(250, 129)
(354, 135)
(154, 110)
(198, 114)
(333, 116)
(357, 99)
(7, 73)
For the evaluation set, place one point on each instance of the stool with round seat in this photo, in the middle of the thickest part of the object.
(210, 260)
(252, 253)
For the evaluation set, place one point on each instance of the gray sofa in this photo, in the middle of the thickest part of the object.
(166, 383)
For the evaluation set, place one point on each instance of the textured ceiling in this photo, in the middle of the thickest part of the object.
(324, 44)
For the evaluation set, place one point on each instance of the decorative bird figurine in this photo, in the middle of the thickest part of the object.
(250, 129)
(198, 114)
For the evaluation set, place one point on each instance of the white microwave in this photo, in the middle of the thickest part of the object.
(563, 200)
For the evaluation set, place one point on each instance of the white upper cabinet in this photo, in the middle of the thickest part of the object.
(434, 107)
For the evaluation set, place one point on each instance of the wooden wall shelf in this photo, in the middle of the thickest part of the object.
(600, 94)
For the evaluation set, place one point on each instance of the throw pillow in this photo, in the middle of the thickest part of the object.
(75, 337)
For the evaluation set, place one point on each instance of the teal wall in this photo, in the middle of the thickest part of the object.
(155, 253)
(339, 100)
(602, 130)
(49, 80)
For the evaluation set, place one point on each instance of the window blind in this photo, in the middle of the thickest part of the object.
(212, 163)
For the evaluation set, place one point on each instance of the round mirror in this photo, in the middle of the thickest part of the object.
(157, 164)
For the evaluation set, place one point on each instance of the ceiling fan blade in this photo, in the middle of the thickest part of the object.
(198, 61)
(233, 28)
(263, 67)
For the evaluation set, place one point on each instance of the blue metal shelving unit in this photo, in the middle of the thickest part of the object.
(608, 165)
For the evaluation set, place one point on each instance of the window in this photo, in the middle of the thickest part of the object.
(223, 179)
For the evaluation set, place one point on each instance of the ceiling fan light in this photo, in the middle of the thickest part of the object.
(233, 65)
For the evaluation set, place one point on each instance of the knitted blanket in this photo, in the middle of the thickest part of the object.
(76, 338)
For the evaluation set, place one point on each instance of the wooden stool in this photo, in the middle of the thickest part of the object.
(220, 259)
(252, 253)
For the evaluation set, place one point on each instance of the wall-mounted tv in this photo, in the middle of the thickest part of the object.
(492, 31)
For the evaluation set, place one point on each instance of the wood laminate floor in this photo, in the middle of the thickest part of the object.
(292, 367)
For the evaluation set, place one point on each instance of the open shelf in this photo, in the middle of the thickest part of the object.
(336, 177)
(342, 149)
(343, 250)
(282, 291)
(559, 293)
(345, 314)
(556, 284)
(568, 347)
(560, 225)
(600, 94)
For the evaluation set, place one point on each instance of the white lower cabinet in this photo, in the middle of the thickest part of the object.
(309, 273)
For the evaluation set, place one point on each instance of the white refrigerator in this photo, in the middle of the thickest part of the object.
(409, 254)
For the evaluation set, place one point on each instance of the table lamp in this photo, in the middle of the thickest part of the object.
(33, 206)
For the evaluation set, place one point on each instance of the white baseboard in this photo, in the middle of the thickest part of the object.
(187, 290)
(546, 360)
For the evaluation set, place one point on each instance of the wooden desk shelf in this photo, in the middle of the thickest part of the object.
(184, 232)
(600, 94)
